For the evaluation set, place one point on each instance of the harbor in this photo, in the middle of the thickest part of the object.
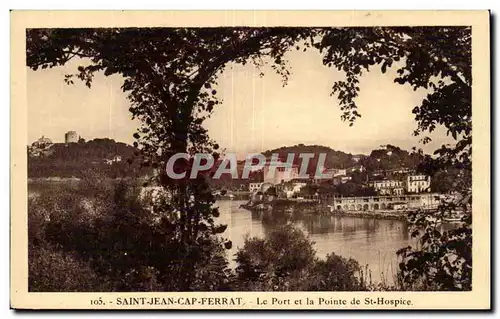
(371, 241)
(380, 207)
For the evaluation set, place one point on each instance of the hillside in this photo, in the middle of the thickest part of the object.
(391, 157)
(75, 159)
(385, 158)
(334, 159)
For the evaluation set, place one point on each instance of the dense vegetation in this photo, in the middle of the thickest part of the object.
(384, 158)
(75, 159)
(100, 236)
(334, 159)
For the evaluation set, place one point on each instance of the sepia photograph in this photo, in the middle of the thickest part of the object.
(231, 157)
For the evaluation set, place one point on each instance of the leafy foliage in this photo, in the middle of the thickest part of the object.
(285, 261)
(106, 233)
(51, 270)
(334, 159)
(444, 259)
(437, 59)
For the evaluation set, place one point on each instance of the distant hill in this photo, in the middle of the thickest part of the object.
(391, 157)
(75, 159)
(384, 158)
(111, 158)
(334, 159)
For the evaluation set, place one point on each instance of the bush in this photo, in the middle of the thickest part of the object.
(51, 270)
(101, 229)
(334, 274)
(285, 261)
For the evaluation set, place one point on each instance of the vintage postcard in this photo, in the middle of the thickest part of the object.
(250, 160)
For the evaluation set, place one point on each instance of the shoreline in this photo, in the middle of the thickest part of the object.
(319, 210)
(398, 215)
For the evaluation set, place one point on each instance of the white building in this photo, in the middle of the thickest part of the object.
(115, 159)
(388, 186)
(281, 173)
(335, 172)
(254, 187)
(291, 188)
(418, 183)
(427, 201)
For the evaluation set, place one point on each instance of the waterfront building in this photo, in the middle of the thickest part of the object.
(398, 191)
(418, 183)
(290, 188)
(334, 173)
(281, 173)
(388, 186)
(254, 187)
(414, 201)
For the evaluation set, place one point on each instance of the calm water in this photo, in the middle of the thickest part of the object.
(371, 242)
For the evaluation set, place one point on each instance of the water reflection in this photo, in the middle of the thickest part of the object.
(370, 241)
(334, 224)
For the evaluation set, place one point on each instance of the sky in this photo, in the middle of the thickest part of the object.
(257, 113)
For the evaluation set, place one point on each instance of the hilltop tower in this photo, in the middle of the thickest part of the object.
(71, 137)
